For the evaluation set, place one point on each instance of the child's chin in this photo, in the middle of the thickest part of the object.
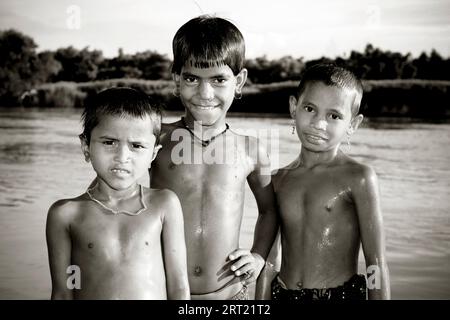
(120, 186)
(206, 120)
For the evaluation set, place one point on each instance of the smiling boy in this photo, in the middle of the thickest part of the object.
(208, 73)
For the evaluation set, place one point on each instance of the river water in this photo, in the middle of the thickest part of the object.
(41, 162)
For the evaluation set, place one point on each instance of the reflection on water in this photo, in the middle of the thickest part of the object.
(40, 162)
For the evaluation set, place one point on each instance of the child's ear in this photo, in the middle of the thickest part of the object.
(354, 124)
(155, 151)
(240, 79)
(84, 147)
(292, 106)
(176, 78)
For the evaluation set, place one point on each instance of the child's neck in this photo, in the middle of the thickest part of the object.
(205, 132)
(309, 159)
(104, 192)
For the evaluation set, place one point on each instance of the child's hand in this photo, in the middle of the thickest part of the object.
(247, 265)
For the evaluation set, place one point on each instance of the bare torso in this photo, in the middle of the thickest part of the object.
(119, 256)
(320, 231)
(212, 197)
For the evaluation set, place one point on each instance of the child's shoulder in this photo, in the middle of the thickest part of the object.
(252, 146)
(280, 173)
(159, 195)
(244, 135)
(65, 209)
(161, 198)
(358, 171)
(164, 202)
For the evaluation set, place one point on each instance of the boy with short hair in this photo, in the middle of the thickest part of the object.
(329, 202)
(124, 240)
(207, 169)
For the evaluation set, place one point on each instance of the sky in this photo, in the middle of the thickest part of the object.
(298, 28)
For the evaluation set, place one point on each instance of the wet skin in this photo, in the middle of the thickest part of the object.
(329, 203)
(212, 194)
(120, 256)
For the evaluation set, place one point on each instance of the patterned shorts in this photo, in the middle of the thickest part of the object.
(242, 294)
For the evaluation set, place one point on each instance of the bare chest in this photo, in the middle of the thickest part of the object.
(306, 197)
(190, 166)
(114, 237)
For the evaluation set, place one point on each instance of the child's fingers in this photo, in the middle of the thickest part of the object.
(246, 271)
(247, 281)
(243, 260)
(238, 253)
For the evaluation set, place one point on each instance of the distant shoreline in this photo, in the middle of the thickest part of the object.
(401, 98)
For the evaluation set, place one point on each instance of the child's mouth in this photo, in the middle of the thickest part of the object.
(201, 107)
(313, 138)
(120, 171)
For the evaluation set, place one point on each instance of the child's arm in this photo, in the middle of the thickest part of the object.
(59, 250)
(260, 182)
(269, 272)
(174, 250)
(367, 200)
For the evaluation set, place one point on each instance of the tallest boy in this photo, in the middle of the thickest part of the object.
(208, 72)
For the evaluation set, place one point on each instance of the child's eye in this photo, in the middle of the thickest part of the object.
(109, 142)
(220, 80)
(138, 146)
(308, 108)
(335, 116)
(190, 79)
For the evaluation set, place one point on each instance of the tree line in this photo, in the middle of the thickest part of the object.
(23, 68)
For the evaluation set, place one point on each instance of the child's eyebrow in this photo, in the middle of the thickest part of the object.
(130, 141)
(338, 111)
(108, 138)
(144, 142)
(220, 75)
(188, 74)
(308, 103)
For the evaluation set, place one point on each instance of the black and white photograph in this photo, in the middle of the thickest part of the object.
(225, 150)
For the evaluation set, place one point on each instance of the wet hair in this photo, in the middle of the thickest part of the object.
(208, 41)
(121, 102)
(332, 75)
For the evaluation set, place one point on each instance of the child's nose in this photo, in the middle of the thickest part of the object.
(319, 123)
(122, 154)
(206, 91)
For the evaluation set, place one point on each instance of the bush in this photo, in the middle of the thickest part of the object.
(399, 98)
(60, 95)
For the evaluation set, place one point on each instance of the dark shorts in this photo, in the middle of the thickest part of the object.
(353, 289)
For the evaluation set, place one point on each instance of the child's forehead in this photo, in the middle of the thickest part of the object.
(125, 123)
(319, 91)
(206, 68)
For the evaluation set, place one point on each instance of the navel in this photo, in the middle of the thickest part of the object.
(90, 245)
(146, 243)
(197, 271)
(199, 230)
